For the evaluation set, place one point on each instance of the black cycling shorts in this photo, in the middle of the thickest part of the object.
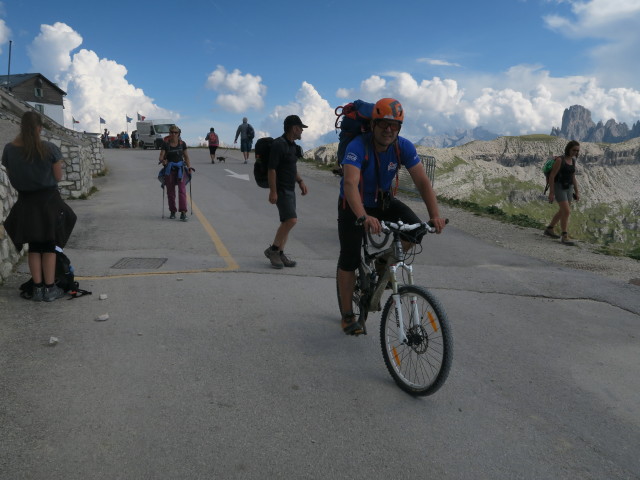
(350, 234)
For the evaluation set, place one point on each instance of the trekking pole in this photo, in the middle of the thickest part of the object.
(191, 196)
(163, 201)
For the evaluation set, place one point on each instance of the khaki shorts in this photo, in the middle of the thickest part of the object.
(562, 194)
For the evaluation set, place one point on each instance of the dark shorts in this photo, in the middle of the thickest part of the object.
(42, 247)
(286, 204)
(212, 150)
(350, 234)
(245, 145)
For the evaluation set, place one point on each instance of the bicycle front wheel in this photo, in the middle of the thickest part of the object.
(420, 365)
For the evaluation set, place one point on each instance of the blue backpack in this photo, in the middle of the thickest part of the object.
(353, 119)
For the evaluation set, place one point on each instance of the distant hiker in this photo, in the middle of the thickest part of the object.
(246, 133)
(39, 217)
(371, 163)
(212, 138)
(563, 187)
(134, 139)
(283, 176)
(177, 171)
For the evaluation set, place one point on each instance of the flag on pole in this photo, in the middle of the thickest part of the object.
(74, 120)
(141, 118)
(128, 118)
(102, 121)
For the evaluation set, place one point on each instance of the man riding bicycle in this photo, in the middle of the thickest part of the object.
(370, 164)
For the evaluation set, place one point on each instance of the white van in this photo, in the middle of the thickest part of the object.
(152, 132)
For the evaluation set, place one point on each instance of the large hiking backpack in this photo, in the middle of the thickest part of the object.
(64, 279)
(212, 138)
(546, 169)
(353, 119)
(261, 167)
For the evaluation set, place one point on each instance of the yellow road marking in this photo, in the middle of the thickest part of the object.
(213, 235)
(217, 242)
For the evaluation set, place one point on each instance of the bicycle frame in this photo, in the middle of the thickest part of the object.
(392, 256)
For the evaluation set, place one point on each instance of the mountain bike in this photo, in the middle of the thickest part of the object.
(415, 335)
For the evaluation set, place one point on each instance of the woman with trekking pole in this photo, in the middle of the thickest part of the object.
(177, 171)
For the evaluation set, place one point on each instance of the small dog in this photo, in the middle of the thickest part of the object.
(222, 159)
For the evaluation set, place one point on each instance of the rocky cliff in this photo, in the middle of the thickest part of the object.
(459, 137)
(578, 125)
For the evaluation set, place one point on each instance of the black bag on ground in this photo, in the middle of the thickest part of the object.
(261, 167)
(64, 279)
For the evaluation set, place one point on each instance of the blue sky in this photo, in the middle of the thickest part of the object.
(510, 66)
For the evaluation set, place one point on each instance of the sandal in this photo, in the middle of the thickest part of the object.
(350, 325)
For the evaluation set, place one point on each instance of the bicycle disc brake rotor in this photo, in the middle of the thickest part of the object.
(418, 339)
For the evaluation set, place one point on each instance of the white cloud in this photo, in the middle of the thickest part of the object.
(343, 93)
(96, 87)
(614, 23)
(438, 63)
(5, 32)
(525, 99)
(373, 85)
(237, 92)
(50, 50)
(313, 110)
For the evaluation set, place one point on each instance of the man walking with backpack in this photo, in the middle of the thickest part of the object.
(212, 139)
(283, 176)
(371, 163)
(246, 133)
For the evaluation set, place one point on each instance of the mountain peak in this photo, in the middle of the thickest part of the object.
(578, 125)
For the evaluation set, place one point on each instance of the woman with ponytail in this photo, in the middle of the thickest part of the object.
(40, 217)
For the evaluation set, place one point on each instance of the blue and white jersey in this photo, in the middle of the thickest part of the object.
(355, 155)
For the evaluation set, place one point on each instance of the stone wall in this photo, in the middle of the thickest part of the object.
(82, 156)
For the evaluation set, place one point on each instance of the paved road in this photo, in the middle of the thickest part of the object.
(213, 365)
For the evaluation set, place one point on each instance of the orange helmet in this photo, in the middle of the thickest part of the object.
(388, 109)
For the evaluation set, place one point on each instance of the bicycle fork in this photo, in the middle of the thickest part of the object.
(397, 305)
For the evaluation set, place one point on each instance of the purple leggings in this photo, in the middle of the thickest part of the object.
(170, 182)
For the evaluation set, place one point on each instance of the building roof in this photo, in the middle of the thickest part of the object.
(19, 78)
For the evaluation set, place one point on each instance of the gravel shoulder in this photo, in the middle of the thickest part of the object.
(527, 241)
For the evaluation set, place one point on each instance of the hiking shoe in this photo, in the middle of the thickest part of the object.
(183, 217)
(38, 293)
(566, 240)
(550, 233)
(274, 258)
(52, 293)
(286, 261)
(350, 325)
(173, 215)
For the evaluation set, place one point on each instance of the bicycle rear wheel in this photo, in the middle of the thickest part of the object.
(357, 302)
(421, 365)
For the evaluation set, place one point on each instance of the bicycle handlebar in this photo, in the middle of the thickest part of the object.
(399, 226)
